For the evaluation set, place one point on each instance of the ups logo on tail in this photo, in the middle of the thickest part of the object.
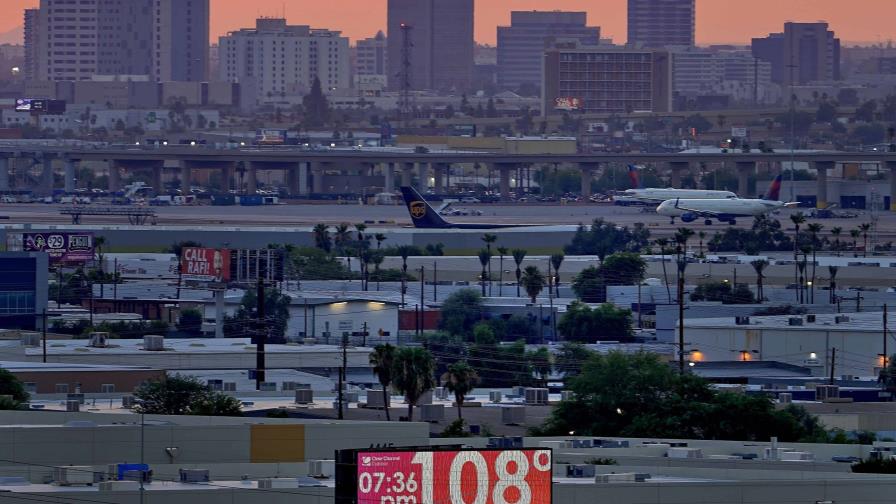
(418, 209)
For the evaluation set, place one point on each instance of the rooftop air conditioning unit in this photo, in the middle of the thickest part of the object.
(495, 396)
(229, 386)
(321, 468)
(433, 413)
(580, 471)
(128, 401)
(268, 386)
(309, 341)
(375, 399)
(271, 483)
(288, 386)
(810, 318)
(99, 340)
(785, 398)
(441, 393)
(536, 396)
(796, 456)
(350, 397)
(216, 384)
(684, 453)
(513, 415)
(31, 339)
(304, 396)
(73, 406)
(825, 392)
(567, 395)
(153, 343)
(742, 320)
(795, 321)
(841, 319)
(194, 475)
(75, 475)
(119, 486)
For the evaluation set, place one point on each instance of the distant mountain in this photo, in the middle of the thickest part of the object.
(14, 36)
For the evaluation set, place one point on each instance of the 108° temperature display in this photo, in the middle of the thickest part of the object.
(455, 477)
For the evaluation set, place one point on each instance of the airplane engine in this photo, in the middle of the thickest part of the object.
(688, 217)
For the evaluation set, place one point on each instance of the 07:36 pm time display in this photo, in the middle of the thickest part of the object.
(455, 477)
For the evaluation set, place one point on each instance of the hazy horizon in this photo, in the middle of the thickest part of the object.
(718, 21)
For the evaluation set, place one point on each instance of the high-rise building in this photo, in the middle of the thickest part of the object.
(661, 23)
(181, 31)
(606, 79)
(75, 40)
(699, 72)
(440, 43)
(803, 53)
(521, 45)
(33, 48)
(280, 59)
(371, 56)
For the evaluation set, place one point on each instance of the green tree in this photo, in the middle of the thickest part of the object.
(589, 285)
(460, 380)
(541, 364)
(490, 109)
(382, 360)
(322, 237)
(865, 228)
(759, 266)
(723, 292)
(317, 109)
(460, 312)
(518, 256)
(12, 387)
(502, 251)
(413, 374)
(182, 395)
(485, 259)
(570, 358)
(533, 281)
(489, 239)
(190, 321)
(556, 262)
(583, 324)
(276, 311)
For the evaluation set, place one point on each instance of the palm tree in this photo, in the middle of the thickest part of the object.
(759, 265)
(341, 239)
(380, 238)
(485, 258)
(518, 256)
(489, 238)
(502, 251)
(377, 258)
(663, 243)
(702, 235)
(322, 237)
(460, 379)
(855, 233)
(412, 374)
(533, 281)
(382, 360)
(801, 268)
(814, 228)
(865, 228)
(832, 271)
(361, 228)
(365, 257)
(681, 239)
(404, 251)
(797, 219)
(556, 262)
(835, 233)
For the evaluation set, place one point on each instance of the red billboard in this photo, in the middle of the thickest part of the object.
(63, 248)
(567, 103)
(460, 477)
(205, 265)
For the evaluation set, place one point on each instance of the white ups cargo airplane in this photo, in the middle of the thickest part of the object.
(724, 210)
(425, 217)
(656, 195)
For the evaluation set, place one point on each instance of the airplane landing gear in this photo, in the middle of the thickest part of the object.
(708, 222)
(732, 222)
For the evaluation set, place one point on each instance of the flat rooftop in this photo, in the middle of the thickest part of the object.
(858, 322)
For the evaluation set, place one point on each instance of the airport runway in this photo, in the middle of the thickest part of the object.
(396, 216)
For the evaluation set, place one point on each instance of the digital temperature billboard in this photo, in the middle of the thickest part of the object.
(454, 477)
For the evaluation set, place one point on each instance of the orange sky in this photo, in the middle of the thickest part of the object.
(718, 21)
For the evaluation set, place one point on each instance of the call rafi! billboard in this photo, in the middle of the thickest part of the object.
(205, 265)
(453, 476)
(63, 248)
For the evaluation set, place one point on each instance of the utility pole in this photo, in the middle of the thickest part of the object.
(833, 363)
(435, 282)
(342, 374)
(886, 355)
(261, 335)
(422, 288)
(682, 264)
(44, 331)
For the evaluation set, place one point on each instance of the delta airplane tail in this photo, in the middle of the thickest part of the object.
(774, 190)
(634, 177)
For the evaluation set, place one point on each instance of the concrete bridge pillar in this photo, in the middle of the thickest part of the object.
(439, 178)
(186, 177)
(744, 170)
(892, 166)
(504, 180)
(822, 168)
(292, 179)
(587, 171)
(69, 176)
(252, 179)
(304, 169)
(423, 177)
(317, 178)
(388, 176)
(114, 177)
(157, 184)
(676, 167)
(4, 174)
(407, 174)
(46, 178)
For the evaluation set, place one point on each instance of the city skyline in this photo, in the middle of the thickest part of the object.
(718, 21)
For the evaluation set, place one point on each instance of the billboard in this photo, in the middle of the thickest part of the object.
(270, 136)
(205, 265)
(567, 103)
(62, 248)
(458, 476)
(40, 106)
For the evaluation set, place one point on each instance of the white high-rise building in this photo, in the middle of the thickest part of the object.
(372, 56)
(280, 59)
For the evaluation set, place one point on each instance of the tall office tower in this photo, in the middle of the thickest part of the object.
(33, 49)
(280, 59)
(77, 39)
(441, 43)
(661, 23)
(803, 53)
(521, 45)
(181, 31)
(372, 56)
